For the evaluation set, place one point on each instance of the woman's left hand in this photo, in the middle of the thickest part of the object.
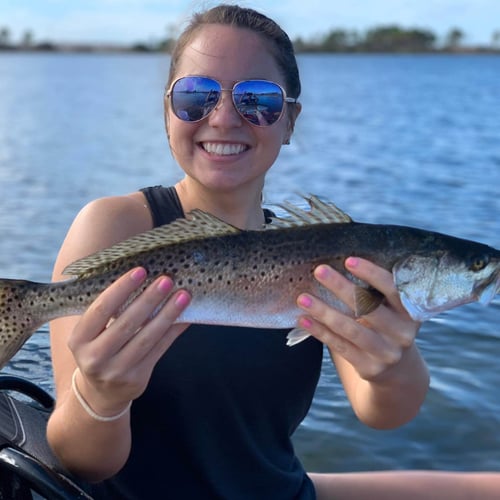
(373, 343)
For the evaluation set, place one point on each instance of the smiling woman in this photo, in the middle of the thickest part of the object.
(231, 103)
(226, 377)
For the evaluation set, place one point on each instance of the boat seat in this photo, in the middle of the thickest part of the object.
(28, 467)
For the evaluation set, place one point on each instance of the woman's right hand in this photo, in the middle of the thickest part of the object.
(116, 355)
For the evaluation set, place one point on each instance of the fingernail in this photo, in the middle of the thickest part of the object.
(165, 285)
(305, 301)
(305, 322)
(138, 274)
(182, 299)
(321, 272)
(351, 262)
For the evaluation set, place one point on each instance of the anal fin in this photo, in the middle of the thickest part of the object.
(296, 336)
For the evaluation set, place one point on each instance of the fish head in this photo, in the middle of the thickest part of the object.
(431, 283)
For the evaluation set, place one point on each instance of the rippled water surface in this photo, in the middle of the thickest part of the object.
(413, 140)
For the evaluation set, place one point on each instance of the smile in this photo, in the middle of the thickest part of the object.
(223, 149)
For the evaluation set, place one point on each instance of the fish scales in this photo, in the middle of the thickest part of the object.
(252, 278)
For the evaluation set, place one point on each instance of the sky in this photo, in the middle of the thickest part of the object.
(131, 21)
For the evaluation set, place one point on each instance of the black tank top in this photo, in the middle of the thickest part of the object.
(216, 419)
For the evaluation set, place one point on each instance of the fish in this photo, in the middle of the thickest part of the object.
(253, 277)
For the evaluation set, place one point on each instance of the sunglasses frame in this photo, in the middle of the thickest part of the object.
(286, 99)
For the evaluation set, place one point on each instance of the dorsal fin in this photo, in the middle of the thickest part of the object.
(198, 225)
(320, 212)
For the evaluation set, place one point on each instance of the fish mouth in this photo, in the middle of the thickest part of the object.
(224, 148)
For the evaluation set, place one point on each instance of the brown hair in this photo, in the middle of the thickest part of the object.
(241, 17)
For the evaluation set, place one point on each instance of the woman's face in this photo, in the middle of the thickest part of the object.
(223, 151)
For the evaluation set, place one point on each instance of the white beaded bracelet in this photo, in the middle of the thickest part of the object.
(89, 410)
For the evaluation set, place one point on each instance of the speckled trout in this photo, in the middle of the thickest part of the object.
(253, 277)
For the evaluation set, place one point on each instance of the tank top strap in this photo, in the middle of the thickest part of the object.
(164, 204)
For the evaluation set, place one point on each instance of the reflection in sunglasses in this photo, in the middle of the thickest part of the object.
(260, 102)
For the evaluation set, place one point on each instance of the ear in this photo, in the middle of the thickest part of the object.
(293, 113)
(165, 117)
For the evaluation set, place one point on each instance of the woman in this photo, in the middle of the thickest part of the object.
(146, 406)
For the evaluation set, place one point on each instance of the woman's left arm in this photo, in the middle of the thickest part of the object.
(383, 373)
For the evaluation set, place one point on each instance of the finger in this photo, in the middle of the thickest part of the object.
(158, 334)
(138, 313)
(379, 278)
(103, 349)
(127, 372)
(397, 328)
(337, 284)
(164, 343)
(100, 312)
(393, 320)
(330, 324)
(346, 345)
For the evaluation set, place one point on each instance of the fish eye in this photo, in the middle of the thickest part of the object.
(479, 262)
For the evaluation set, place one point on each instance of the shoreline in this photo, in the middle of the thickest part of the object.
(144, 49)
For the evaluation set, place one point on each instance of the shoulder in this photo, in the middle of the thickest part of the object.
(130, 212)
(115, 218)
(102, 223)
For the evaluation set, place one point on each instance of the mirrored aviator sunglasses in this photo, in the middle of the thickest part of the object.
(259, 102)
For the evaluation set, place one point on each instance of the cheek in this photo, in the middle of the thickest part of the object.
(180, 136)
(275, 136)
(270, 146)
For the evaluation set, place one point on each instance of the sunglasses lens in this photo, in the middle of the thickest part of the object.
(194, 97)
(259, 101)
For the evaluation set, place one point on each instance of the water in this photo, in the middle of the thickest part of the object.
(392, 139)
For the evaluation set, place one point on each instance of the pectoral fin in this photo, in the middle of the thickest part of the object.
(366, 300)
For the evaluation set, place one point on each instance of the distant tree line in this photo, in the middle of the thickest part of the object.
(390, 38)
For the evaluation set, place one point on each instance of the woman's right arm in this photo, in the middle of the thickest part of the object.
(113, 357)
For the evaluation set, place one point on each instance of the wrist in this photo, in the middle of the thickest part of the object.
(100, 416)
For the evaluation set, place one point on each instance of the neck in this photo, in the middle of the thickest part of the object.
(240, 208)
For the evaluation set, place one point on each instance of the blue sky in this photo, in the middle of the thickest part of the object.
(126, 21)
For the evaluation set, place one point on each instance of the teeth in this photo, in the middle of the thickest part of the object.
(223, 149)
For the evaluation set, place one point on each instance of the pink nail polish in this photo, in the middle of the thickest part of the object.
(352, 262)
(138, 274)
(322, 272)
(305, 323)
(305, 301)
(182, 299)
(165, 285)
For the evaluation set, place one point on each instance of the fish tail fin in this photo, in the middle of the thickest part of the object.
(17, 321)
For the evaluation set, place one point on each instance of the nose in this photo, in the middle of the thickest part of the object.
(224, 114)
